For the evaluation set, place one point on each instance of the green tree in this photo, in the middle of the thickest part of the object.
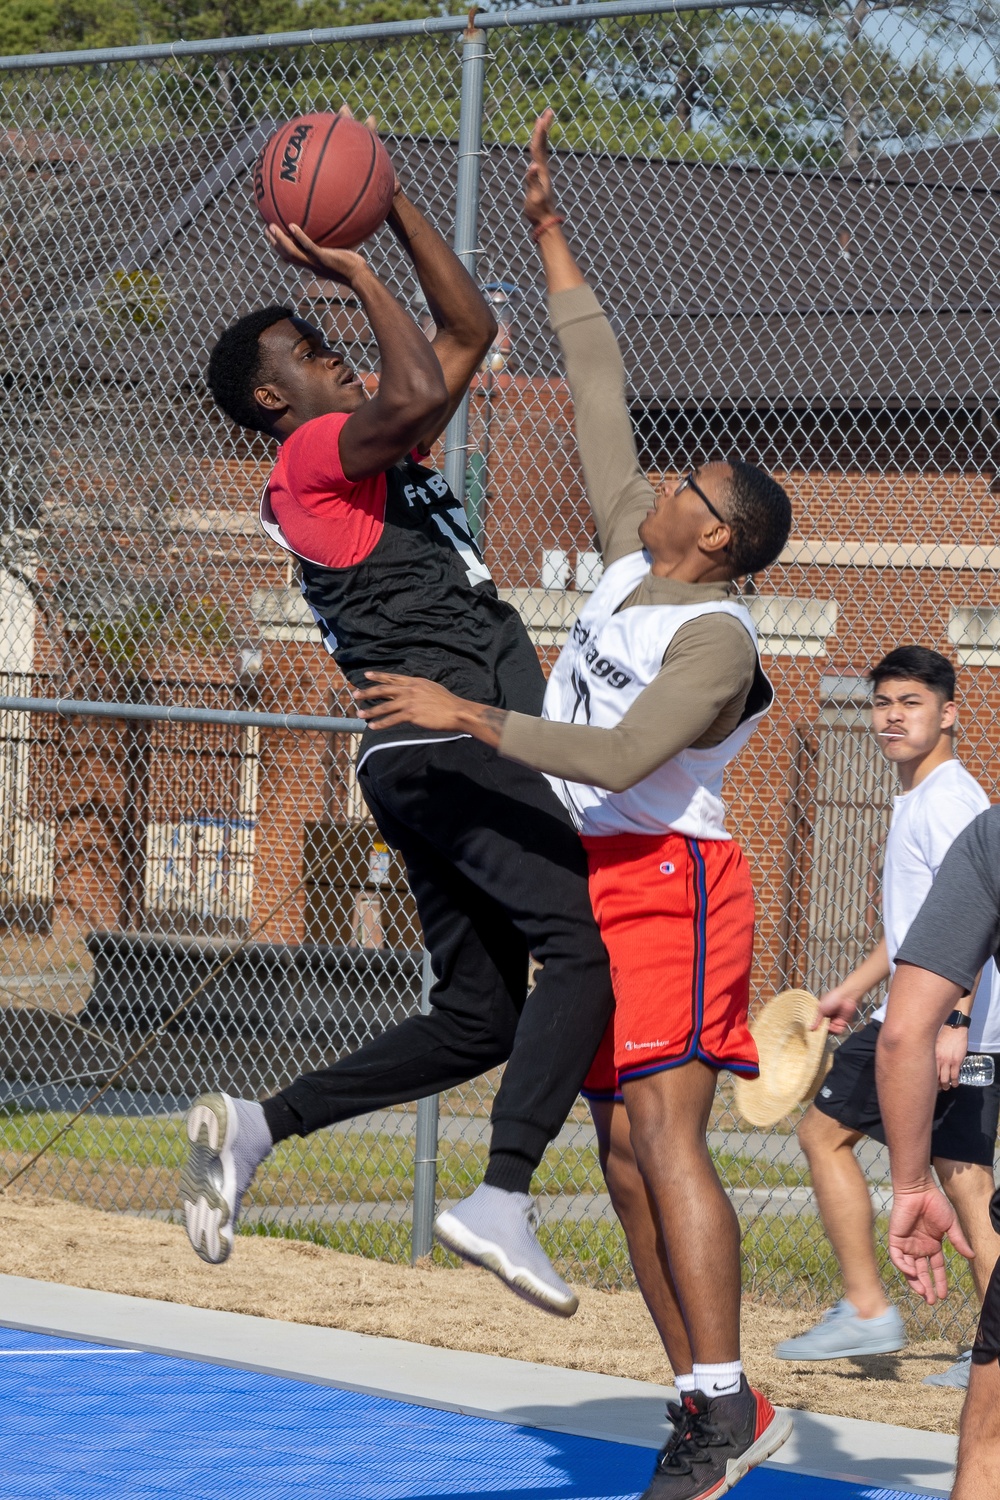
(807, 94)
(632, 86)
(818, 84)
(66, 25)
(932, 97)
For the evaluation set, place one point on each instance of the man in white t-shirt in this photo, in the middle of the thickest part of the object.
(913, 716)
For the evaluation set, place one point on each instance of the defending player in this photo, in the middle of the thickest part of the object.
(657, 690)
(955, 932)
(913, 716)
(395, 580)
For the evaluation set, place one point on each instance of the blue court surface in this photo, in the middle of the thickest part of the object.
(85, 1420)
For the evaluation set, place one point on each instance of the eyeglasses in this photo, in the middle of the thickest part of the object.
(690, 483)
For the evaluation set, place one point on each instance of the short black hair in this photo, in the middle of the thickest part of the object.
(760, 518)
(235, 366)
(918, 664)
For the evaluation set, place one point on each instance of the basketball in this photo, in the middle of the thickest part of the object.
(327, 173)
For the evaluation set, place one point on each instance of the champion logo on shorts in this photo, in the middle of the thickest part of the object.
(667, 868)
(638, 1046)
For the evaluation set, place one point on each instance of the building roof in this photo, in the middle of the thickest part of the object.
(743, 287)
(733, 287)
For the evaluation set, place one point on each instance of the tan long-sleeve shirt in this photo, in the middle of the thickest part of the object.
(701, 692)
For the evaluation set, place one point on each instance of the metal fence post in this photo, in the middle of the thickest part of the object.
(425, 1148)
(470, 144)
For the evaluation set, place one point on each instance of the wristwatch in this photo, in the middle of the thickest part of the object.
(956, 1019)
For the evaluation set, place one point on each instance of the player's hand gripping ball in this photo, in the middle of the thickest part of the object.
(330, 175)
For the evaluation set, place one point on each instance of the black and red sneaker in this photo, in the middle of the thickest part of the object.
(715, 1443)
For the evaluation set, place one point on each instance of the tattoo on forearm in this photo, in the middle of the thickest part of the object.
(495, 719)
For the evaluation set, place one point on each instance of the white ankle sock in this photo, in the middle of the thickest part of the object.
(685, 1384)
(718, 1380)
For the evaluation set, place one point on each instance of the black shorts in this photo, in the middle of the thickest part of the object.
(987, 1346)
(965, 1118)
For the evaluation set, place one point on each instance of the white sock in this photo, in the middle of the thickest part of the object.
(685, 1384)
(718, 1380)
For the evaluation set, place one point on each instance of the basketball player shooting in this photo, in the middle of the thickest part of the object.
(658, 688)
(396, 582)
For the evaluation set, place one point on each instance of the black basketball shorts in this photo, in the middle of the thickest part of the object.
(965, 1118)
(987, 1346)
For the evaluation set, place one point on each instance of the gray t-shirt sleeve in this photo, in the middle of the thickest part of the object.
(958, 927)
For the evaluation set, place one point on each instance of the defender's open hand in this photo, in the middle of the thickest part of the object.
(538, 201)
(917, 1226)
(409, 700)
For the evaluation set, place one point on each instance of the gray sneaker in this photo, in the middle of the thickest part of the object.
(497, 1229)
(956, 1376)
(841, 1334)
(228, 1139)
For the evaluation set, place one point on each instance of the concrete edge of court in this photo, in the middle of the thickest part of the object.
(576, 1402)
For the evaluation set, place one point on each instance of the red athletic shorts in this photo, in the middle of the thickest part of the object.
(677, 919)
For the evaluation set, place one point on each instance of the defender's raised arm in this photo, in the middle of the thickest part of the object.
(620, 495)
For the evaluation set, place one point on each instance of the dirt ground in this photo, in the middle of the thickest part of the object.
(455, 1309)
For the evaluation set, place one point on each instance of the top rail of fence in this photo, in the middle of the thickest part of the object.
(172, 713)
(332, 35)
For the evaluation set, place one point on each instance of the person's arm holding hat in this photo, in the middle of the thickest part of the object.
(840, 1005)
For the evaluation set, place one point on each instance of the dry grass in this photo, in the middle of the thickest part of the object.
(305, 1283)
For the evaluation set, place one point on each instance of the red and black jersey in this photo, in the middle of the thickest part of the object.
(394, 577)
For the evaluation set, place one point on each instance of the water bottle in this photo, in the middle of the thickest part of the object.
(977, 1069)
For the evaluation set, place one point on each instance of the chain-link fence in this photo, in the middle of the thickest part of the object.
(794, 217)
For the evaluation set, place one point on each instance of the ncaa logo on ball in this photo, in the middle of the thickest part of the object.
(667, 868)
(293, 151)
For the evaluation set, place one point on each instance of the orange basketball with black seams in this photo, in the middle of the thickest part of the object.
(327, 173)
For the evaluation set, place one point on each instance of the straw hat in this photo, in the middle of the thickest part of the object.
(793, 1059)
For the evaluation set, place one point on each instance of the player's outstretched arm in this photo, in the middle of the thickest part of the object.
(919, 1002)
(620, 495)
(463, 319)
(394, 699)
(673, 712)
(411, 394)
(562, 273)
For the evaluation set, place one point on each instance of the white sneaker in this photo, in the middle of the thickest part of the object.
(218, 1173)
(496, 1229)
(956, 1376)
(841, 1334)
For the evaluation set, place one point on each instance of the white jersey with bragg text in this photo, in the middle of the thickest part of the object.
(611, 656)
